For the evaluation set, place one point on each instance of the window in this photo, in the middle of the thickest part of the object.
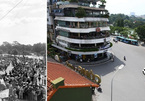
(63, 33)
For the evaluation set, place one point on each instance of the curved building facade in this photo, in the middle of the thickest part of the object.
(81, 30)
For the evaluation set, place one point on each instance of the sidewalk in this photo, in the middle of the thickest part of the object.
(103, 61)
(76, 63)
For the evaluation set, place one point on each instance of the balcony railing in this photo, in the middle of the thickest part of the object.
(89, 37)
(82, 50)
(88, 15)
(84, 26)
(57, 12)
(89, 48)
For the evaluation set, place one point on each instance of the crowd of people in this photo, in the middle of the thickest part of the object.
(26, 80)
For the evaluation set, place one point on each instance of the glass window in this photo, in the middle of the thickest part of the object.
(61, 23)
(63, 33)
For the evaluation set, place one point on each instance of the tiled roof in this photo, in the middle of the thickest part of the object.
(71, 78)
(56, 70)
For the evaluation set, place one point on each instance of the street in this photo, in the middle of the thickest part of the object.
(129, 82)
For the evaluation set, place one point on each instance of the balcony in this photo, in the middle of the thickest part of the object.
(83, 5)
(81, 30)
(88, 48)
(85, 19)
(57, 12)
(83, 41)
(89, 37)
(80, 52)
(83, 26)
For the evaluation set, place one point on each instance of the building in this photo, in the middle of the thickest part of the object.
(64, 84)
(132, 13)
(79, 29)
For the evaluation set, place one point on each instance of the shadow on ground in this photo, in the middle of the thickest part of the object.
(106, 68)
(101, 69)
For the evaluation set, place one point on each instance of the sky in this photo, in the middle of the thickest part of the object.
(126, 6)
(26, 23)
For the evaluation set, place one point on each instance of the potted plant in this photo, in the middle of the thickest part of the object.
(73, 1)
(102, 5)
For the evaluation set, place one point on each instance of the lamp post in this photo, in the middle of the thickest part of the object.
(119, 68)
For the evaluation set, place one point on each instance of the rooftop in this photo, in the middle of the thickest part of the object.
(56, 70)
(71, 78)
(85, 7)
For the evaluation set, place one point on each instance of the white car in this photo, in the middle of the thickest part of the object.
(143, 71)
(115, 40)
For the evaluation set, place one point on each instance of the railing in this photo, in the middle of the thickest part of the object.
(49, 87)
(89, 15)
(82, 49)
(57, 12)
(86, 73)
(89, 48)
(83, 26)
(89, 37)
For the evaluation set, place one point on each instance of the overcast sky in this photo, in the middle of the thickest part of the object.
(126, 6)
(26, 23)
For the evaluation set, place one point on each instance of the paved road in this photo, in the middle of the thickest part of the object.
(129, 83)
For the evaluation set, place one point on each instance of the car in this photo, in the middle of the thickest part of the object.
(143, 71)
(115, 40)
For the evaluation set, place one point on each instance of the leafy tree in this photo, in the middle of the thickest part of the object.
(38, 48)
(14, 52)
(22, 49)
(141, 32)
(129, 21)
(120, 23)
(134, 36)
(73, 0)
(124, 33)
(103, 2)
(1, 51)
(6, 46)
(80, 12)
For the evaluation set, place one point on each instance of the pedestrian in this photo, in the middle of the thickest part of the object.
(124, 58)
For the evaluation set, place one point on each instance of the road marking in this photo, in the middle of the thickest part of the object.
(121, 66)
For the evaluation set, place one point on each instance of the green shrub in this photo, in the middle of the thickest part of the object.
(83, 50)
(80, 13)
(111, 44)
(74, 1)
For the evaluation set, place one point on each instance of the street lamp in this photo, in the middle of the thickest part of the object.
(119, 68)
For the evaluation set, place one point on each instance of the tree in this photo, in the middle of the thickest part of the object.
(38, 48)
(103, 2)
(1, 51)
(6, 46)
(124, 33)
(134, 36)
(74, 1)
(129, 21)
(14, 52)
(80, 12)
(120, 23)
(141, 32)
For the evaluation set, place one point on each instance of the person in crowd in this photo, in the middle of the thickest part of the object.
(22, 80)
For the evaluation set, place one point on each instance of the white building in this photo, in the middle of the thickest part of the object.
(86, 37)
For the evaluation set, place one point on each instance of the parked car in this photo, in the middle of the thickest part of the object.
(115, 40)
(143, 71)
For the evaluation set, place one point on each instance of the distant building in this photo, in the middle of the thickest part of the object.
(81, 38)
(132, 13)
